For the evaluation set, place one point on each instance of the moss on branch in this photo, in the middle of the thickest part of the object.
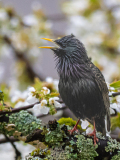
(55, 142)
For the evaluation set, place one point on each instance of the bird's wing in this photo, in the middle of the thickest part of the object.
(99, 78)
(83, 97)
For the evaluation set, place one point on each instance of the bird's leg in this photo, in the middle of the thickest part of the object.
(74, 128)
(94, 134)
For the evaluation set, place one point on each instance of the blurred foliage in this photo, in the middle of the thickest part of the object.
(20, 37)
(115, 122)
(96, 24)
(1, 101)
(116, 85)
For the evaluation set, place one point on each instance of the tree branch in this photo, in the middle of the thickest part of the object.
(115, 94)
(18, 154)
(20, 55)
(14, 110)
(12, 139)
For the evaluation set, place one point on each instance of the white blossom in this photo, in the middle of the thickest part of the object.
(112, 111)
(30, 20)
(21, 104)
(14, 22)
(45, 90)
(42, 107)
(3, 15)
(18, 95)
(84, 124)
(30, 90)
(118, 99)
(32, 99)
(112, 88)
(52, 101)
(89, 130)
(2, 71)
(110, 93)
(49, 79)
(114, 106)
(54, 81)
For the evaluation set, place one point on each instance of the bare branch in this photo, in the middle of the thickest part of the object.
(14, 110)
(115, 94)
(12, 139)
(17, 152)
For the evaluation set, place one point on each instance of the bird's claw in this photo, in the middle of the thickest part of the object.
(73, 130)
(95, 138)
(94, 134)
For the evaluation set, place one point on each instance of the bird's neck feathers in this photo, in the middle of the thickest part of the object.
(72, 67)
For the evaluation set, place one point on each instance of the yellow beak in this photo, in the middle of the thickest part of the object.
(51, 40)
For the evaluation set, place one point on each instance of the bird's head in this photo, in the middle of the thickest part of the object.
(68, 47)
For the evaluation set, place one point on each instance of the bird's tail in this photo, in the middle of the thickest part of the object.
(100, 125)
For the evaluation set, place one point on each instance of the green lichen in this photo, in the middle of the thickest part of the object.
(66, 147)
(2, 107)
(116, 157)
(59, 143)
(42, 153)
(70, 122)
(112, 145)
(100, 136)
(2, 126)
(55, 137)
(33, 158)
(86, 148)
(23, 121)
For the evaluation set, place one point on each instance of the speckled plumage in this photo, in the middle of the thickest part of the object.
(82, 85)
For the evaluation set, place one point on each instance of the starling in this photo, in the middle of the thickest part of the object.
(82, 86)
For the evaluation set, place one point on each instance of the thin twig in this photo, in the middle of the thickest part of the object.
(18, 154)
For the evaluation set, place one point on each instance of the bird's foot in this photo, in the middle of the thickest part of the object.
(94, 134)
(95, 138)
(74, 128)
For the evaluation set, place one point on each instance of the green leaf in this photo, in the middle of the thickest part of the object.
(116, 85)
(37, 84)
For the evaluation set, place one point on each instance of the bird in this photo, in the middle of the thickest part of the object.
(82, 86)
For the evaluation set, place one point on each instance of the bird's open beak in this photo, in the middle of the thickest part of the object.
(49, 47)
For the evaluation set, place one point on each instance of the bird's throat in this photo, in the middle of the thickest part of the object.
(71, 70)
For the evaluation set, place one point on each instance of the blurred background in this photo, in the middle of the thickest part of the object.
(23, 24)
